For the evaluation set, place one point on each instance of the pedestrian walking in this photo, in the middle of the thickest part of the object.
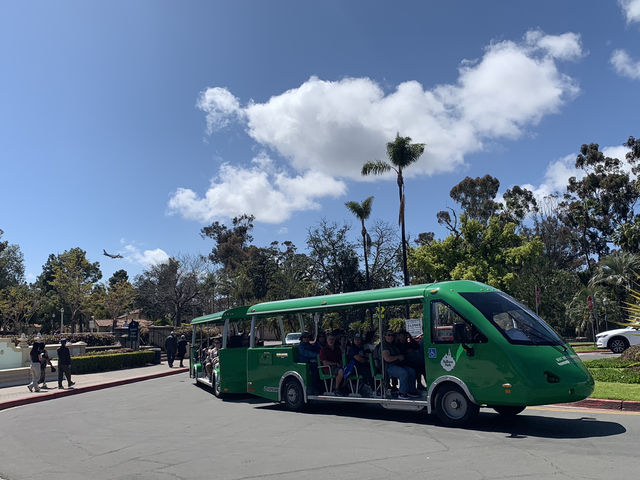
(64, 364)
(182, 349)
(35, 357)
(44, 361)
(171, 346)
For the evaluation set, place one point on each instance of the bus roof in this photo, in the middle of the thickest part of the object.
(371, 297)
(218, 318)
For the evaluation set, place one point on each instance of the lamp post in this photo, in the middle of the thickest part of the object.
(606, 323)
(61, 319)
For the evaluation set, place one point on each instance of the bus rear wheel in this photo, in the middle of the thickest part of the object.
(453, 407)
(508, 410)
(217, 389)
(293, 395)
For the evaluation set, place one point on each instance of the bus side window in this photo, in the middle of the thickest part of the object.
(443, 317)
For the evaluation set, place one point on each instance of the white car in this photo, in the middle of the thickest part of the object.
(292, 338)
(618, 340)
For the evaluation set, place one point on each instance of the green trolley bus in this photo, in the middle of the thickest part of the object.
(481, 348)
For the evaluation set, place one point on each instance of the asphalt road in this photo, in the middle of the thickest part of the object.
(170, 429)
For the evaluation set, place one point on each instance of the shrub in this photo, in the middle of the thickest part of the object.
(608, 363)
(631, 354)
(91, 339)
(616, 375)
(113, 361)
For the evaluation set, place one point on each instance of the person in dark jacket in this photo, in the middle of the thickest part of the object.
(182, 349)
(171, 346)
(64, 364)
(44, 361)
(35, 357)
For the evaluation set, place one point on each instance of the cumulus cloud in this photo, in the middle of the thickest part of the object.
(261, 189)
(336, 126)
(631, 9)
(146, 258)
(624, 65)
(325, 130)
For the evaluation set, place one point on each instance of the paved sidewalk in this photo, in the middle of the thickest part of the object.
(20, 395)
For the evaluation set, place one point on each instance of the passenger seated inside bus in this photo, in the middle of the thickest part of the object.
(321, 340)
(357, 355)
(212, 360)
(331, 358)
(308, 353)
(395, 366)
(413, 352)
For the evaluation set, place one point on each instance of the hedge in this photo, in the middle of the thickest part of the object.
(114, 361)
(91, 339)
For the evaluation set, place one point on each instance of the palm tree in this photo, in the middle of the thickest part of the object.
(401, 153)
(362, 211)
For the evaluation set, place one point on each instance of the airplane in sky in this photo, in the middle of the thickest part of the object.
(110, 255)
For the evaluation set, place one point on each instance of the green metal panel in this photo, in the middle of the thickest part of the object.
(233, 370)
(267, 365)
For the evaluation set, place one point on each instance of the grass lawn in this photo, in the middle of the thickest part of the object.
(585, 348)
(617, 391)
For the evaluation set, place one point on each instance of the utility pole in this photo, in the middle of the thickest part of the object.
(61, 319)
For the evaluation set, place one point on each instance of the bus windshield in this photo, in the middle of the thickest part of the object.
(517, 323)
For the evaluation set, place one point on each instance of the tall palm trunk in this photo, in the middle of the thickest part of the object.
(405, 270)
(366, 257)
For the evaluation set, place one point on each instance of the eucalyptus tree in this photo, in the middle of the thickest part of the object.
(401, 153)
(363, 211)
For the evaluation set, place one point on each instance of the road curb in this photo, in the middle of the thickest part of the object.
(35, 398)
(599, 403)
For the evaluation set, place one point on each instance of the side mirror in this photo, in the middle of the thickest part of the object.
(460, 333)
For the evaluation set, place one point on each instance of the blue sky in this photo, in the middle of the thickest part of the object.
(127, 126)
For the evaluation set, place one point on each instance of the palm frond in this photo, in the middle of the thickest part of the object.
(375, 168)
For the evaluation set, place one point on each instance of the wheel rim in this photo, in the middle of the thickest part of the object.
(617, 346)
(292, 394)
(454, 405)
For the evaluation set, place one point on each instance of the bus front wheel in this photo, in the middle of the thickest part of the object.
(453, 407)
(293, 395)
(508, 410)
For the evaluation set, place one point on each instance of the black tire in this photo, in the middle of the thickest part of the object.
(508, 410)
(293, 395)
(217, 389)
(618, 344)
(453, 407)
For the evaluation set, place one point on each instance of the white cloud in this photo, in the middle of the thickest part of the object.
(336, 126)
(261, 190)
(146, 258)
(625, 65)
(220, 106)
(565, 47)
(326, 130)
(631, 9)
(558, 172)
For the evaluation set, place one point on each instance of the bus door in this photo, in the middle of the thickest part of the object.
(455, 348)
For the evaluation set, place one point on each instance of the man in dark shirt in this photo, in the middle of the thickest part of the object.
(64, 363)
(394, 364)
(171, 346)
(308, 353)
(357, 354)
